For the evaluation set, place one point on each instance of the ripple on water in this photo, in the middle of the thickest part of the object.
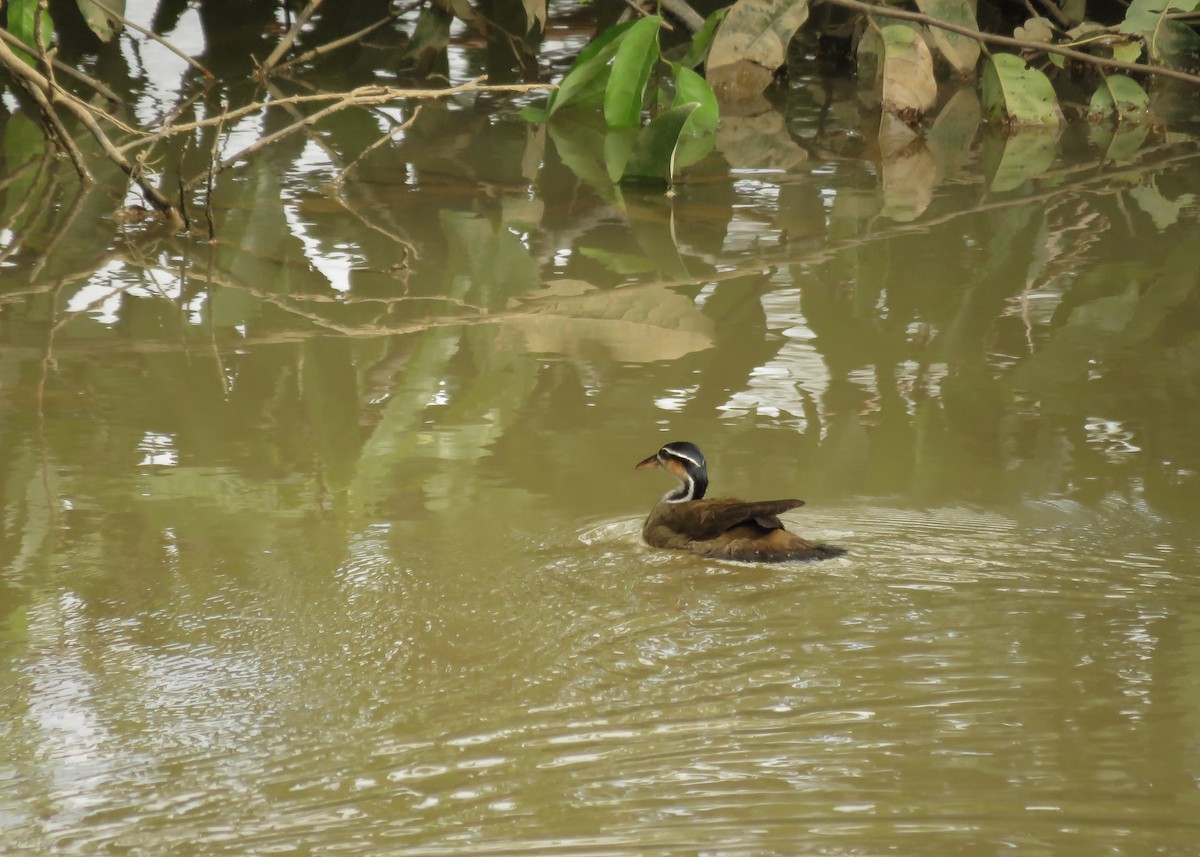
(961, 682)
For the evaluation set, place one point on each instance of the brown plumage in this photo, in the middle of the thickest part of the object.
(724, 528)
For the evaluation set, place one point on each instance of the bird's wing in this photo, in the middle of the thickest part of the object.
(708, 519)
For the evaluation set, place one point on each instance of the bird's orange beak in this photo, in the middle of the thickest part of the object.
(647, 463)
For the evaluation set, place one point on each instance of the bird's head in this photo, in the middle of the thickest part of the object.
(686, 463)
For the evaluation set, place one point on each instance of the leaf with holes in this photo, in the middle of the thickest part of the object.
(1121, 97)
(1166, 40)
(903, 69)
(1017, 94)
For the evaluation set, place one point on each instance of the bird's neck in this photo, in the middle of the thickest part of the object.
(690, 488)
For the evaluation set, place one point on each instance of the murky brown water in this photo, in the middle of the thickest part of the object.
(325, 539)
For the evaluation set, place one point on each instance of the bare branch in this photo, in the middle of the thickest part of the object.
(1007, 41)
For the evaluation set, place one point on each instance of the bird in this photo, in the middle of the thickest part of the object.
(724, 528)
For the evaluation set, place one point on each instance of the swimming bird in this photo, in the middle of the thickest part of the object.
(725, 528)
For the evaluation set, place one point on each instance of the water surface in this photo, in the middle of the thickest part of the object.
(325, 537)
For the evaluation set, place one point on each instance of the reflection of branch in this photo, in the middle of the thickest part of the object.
(62, 67)
(42, 89)
(336, 182)
(364, 96)
(328, 47)
(285, 44)
(1008, 41)
(154, 36)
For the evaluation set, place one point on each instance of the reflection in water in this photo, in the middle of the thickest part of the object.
(294, 563)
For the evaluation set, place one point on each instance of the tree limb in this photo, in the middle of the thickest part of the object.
(1008, 41)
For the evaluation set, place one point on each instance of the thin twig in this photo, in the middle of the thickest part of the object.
(1007, 41)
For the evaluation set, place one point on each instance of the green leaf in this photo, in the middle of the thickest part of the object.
(653, 156)
(590, 67)
(626, 89)
(618, 146)
(691, 87)
(1121, 97)
(1127, 52)
(21, 17)
(1166, 40)
(1015, 93)
(1145, 16)
(962, 52)
(697, 52)
(102, 23)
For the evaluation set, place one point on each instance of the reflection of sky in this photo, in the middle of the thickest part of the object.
(775, 387)
(162, 68)
(101, 296)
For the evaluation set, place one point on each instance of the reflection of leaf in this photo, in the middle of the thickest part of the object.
(653, 155)
(962, 52)
(953, 131)
(618, 263)
(580, 146)
(757, 31)
(1016, 93)
(23, 141)
(631, 325)
(102, 23)
(1162, 211)
(332, 398)
(1120, 97)
(618, 145)
(1121, 143)
(652, 223)
(759, 142)
(1011, 160)
(495, 260)
(908, 183)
